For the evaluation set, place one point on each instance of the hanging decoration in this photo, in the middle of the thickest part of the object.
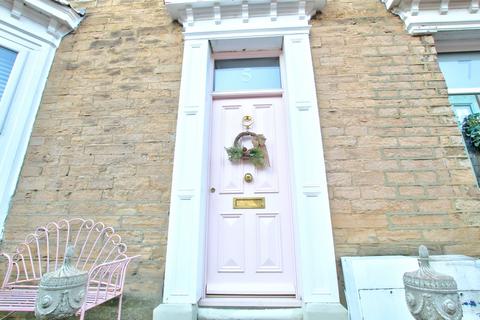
(258, 155)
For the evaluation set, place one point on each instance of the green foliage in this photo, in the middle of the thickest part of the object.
(235, 153)
(254, 155)
(257, 157)
(471, 127)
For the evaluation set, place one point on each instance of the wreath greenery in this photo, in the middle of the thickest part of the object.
(471, 128)
(255, 155)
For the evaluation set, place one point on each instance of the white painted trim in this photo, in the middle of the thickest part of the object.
(317, 260)
(385, 273)
(250, 302)
(45, 20)
(208, 15)
(208, 22)
(247, 94)
(184, 274)
(34, 30)
(247, 54)
(436, 16)
(61, 13)
(13, 80)
(464, 91)
(247, 314)
(185, 267)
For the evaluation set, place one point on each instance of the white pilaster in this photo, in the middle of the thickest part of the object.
(185, 254)
(317, 258)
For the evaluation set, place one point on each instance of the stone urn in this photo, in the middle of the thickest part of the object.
(62, 292)
(431, 295)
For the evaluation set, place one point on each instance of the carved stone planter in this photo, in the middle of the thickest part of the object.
(62, 292)
(429, 294)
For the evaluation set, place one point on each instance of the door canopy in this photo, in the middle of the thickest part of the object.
(427, 17)
(201, 16)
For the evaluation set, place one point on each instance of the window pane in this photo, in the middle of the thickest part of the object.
(7, 58)
(461, 70)
(247, 74)
(464, 105)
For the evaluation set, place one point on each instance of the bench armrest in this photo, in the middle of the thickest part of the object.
(8, 271)
(108, 278)
(108, 265)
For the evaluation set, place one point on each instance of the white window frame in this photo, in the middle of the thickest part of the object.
(185, 262)
(14, 77)
(458, 42)
(33, 29)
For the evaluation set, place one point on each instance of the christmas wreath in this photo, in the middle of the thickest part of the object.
(257, 155)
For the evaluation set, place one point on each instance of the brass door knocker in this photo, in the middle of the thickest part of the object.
(247, 122)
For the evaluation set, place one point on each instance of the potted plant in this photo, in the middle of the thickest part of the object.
(471, 129)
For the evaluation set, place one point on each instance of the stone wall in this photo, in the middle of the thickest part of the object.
(102, 144)
(397, 170)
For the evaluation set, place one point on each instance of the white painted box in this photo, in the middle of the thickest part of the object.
(374, 285)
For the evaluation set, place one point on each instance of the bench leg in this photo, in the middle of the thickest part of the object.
(120, 307)
(82, 314)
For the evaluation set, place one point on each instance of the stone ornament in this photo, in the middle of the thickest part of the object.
(431, 295)
(62, 292)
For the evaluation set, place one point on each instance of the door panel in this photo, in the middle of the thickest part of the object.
(231, 239)
(269, 251)
(267, 178)
(250, 251)
(230, 176)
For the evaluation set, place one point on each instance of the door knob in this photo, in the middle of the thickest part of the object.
(212, 190)
(248, 177)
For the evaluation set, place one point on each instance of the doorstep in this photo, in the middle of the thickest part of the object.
(250, 302)
(309, 311)
(249, 314)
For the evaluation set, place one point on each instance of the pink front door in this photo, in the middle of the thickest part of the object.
(250, 251)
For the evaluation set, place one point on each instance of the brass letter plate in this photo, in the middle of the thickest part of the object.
(249, 203)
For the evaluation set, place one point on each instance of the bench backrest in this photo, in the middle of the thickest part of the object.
(44, 250)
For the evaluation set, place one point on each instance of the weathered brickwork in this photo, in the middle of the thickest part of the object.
(103, 139)
(397, 169)
(102, 144)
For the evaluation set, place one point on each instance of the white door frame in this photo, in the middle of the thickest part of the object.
(185, 261)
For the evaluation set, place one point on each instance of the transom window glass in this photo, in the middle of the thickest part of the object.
(247, 74)
(461, 70)
(462, 74)
(7, 59)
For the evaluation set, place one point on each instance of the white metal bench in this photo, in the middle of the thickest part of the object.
(98, 249)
